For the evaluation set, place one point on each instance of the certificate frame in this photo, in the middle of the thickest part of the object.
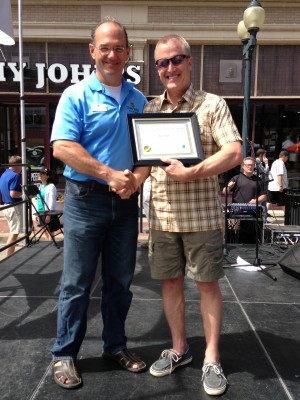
(164, 135)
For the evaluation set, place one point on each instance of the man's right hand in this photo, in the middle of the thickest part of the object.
(123, 183)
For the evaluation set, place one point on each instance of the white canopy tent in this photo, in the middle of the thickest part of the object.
(6, 24)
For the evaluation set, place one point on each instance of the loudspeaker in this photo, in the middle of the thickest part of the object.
(290, 261)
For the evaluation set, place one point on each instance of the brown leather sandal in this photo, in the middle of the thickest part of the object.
(66, 374)
(127, 360)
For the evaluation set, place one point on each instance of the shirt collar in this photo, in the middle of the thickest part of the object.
(189, 96)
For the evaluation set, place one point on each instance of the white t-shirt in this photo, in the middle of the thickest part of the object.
(115, 91)
(278, 168)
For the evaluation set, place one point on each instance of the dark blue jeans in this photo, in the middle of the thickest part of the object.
(96, 222)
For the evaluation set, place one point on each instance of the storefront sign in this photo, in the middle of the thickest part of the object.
(59, 73)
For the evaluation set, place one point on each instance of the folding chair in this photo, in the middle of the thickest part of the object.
(32, 191)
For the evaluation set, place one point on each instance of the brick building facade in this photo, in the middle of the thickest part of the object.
(55, 39)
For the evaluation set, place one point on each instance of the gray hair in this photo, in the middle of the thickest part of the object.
(14, 160)
(284, 153)
(185, 46)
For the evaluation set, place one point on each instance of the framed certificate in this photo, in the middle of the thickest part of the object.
(162, 135)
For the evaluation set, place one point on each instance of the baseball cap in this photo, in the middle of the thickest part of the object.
(45, 171)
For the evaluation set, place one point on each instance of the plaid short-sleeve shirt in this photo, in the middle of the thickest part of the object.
(192, 206)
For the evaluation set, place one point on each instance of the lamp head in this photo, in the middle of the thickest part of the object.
(254, 15)
(242, 31)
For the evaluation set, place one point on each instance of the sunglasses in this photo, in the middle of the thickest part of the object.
(176, 60)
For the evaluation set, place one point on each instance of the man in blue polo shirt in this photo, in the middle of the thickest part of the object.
(11, 192)
(90, 136)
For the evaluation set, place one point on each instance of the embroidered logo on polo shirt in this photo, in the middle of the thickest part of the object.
(132, 108)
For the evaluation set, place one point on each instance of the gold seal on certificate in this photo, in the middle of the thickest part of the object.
(164, 135)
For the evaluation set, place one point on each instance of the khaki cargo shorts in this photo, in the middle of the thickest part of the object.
(14, 216)
(198, 255)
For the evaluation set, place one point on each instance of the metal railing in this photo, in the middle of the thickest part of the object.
(28, 217)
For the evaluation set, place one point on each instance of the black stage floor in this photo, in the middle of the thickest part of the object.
(260, 344)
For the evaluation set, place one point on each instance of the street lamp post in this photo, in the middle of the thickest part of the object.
(253, 20)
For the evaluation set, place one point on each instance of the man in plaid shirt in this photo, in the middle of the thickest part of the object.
(185, 213)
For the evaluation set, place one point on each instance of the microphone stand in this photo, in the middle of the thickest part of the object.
(258, 262)
(225, 249)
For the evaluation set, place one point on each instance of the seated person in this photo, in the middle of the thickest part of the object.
(46, 201)
(246, 188)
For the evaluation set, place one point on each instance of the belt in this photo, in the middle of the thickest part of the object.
(92, 185)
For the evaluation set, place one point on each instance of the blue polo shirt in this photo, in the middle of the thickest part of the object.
(10, 180)
(88, 114)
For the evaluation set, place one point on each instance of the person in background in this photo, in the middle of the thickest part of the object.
(287, 142)
(146, 203)
(277, 187)
(90, 136)
(262, 161)
(185, 213)
(246, 188)
(48, 200)
(146, 197)
(11, 192)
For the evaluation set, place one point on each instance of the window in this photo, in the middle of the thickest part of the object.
(278, 71)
